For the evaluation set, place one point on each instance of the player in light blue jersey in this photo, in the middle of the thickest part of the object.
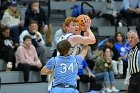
(64, 68)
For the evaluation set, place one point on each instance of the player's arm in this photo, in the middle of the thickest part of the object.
(82, 39)
(91, 37)
(46, 71)
(84, 51)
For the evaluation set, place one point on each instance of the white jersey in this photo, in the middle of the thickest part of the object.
(74, 48)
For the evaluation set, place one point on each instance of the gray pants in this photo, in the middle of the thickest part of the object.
(42, 54)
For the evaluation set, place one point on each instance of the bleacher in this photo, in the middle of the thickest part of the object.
(12, 82)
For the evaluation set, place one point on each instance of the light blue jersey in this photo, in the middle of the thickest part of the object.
(65, 69)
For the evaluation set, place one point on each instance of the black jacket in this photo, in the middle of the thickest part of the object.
(40, 17)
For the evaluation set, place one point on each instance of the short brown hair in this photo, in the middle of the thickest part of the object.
(33, 22)
(70, 19)
(63, 47)
(122, 35)
(26, 37)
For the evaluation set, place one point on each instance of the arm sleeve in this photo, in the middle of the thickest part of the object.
(44, 16)
(41, 41)
(79, 59)
(36, 56)
(85, 65)
(22, 35)
(5, 20)
(126, 4)
(28, 17)
(50, 63)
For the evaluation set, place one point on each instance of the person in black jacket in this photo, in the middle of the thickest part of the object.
(35, 12)
(7, 47)
(110, 43)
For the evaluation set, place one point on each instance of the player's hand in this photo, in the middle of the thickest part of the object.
(78, 78)
(45, 71)
(87, 22)
(90, 74)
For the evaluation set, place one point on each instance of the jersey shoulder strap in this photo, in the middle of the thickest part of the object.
(65, 37)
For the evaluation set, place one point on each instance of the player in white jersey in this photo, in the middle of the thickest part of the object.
(73, 33)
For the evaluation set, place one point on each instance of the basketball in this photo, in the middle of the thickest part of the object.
(81, 19)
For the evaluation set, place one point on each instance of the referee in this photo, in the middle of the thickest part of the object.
(134, 62)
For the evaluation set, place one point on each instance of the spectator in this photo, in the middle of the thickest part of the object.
(3, 6)
(7, 47)
(65, 79)
(57, 35)
(86, 78)
(104, 64)
(26, 58)
(110, 43)
(110, 12)
(37, 40)
(35, 12)
(130, 9)
(120, 45)
(11, 18)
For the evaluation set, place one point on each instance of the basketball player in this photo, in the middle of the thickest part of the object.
(65, 68)
(73, 28)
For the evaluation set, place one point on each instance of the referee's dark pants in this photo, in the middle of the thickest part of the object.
(134, 85)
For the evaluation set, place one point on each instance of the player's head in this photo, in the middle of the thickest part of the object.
(64, 47)
(82, 19)
(72, 25)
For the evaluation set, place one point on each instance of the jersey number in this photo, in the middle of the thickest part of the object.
(65, 67)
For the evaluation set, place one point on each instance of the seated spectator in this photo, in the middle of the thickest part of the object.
(3, 7)
(86, 78)
(57, 35)
(104, 64)
(110, 43)
(7, 47)
(27, 59)
(110, 12)
(11, 18)
(117, 63)
(37, 40)
(35, 12)
(130, 9)
(123, 49)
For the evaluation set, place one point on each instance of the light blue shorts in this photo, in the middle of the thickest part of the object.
(63, 90)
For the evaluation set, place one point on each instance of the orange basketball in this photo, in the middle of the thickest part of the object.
(81, 19)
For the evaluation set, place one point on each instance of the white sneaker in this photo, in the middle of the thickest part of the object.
(9, 66)
(108, 90)
(114, 89)
(120, 24)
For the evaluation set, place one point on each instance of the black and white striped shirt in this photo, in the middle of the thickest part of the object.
(133, 60)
